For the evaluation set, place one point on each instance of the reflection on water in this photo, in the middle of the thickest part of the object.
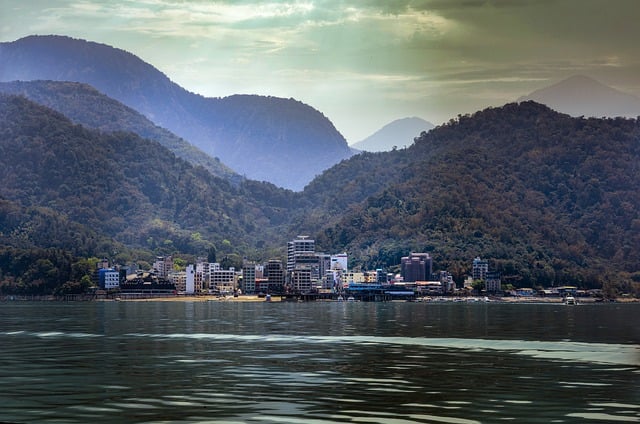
(325, 362)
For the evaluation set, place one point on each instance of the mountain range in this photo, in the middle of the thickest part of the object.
(548, 198)
(282, 141)
(580, 95)
(396, 134)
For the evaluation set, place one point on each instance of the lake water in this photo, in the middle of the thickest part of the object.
(198, 362)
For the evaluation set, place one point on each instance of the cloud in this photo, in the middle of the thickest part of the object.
(420, 56)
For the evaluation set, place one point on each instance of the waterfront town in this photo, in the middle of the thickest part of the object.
(306, 275)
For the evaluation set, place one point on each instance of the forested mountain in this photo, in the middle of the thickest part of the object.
(546, 198)
(397, 134)
(549, 199)
(264, 138)
(85, 105)
(121, 186)
(35, 227)
(583, 96)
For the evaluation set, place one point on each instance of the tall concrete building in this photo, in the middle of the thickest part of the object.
(248, 278)
(302, 245)
(163, 266)
(479, 269)
(275, 274)
(301, 279)
(190, 283)
(416, 267)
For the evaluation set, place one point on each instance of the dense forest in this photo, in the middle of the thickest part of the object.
(546, 198)
(85, 105)
(90, 193)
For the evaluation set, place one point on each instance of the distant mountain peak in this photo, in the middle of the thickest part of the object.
(398, 133)
(580, 95)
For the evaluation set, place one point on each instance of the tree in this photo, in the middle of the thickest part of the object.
(211, 254)
(179, 264)
(478, 286)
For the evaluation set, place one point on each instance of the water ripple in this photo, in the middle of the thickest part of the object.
(602, 353)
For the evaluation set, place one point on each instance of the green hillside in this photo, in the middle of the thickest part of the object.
(132, 189)
(548, 199)
(85, 105)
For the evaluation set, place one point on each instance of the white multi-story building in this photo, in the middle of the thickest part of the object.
(480, 269)
(249, 278)
(223, 281)
(302, 246)
(204, 269)
(109, 278)
(190, 282)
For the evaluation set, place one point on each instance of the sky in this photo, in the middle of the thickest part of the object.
(362, 63)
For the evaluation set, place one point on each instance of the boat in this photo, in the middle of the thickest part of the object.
(570, 300)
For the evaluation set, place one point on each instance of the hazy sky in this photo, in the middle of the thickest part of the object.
(363, 63)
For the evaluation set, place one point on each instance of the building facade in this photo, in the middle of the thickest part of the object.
(108, 278)
(248, 285)
(275, 274)
(301, 280)
(416, 267)
(190, 280)
(302, 245)
(223, 281)
(493, 283)
(480, 268)
(179, 280)
(163, 266)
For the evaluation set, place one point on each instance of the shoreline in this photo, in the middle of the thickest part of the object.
(277, 299)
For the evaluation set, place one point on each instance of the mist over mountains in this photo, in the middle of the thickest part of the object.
(580, 95)
(282, 141)
(85, 105)
(399, 133)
